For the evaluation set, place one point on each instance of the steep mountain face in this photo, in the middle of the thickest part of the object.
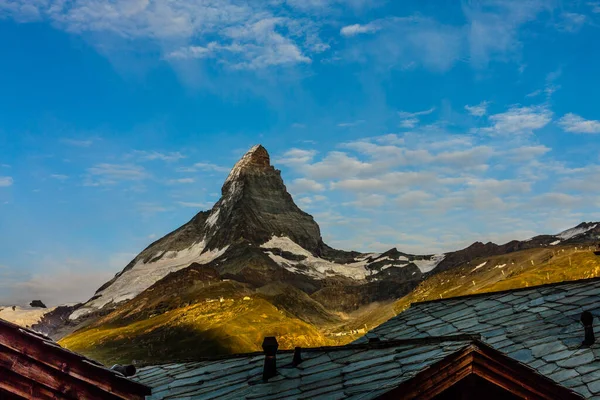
(255, 265)
(256, 232)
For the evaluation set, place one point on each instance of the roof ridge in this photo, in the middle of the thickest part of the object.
(382, 344)
(505, 291)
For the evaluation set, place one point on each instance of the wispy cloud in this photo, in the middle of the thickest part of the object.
(357, 29)
(407, 114)
(303, 185)
(6, 181)
(111, 174)
(295, 157)
(576, 124)
(181, 181)
(59, 177)
(144, 155)
(519, 120)
(190, 204)
(478, 110)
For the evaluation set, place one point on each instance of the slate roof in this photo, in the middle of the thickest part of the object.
(343, 372)
(538, 326)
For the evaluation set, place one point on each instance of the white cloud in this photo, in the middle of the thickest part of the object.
(181, 180)
(595, 6)
(409, 123)
(295, 157)
(155, 155)
(338, 165)
(478, 110)
(493, 27)
(519, 120)
(6, 181)
(203, 166)
(368, 201)
(248, 35)
(525, 153)
(190, 204)
(412, 199)
(302, 185)
(357, 29)
(406, 114)
(111, 174)
(571, 22)
(574, 123)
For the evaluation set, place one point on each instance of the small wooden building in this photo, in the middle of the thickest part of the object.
(33, 366)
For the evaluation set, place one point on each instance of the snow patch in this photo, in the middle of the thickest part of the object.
(143, 275)
(24, 316)
(479, 266)
(318, 268)
(500, 266)
(428, 265)
(569, 233)
(555, 242)
(212, 219)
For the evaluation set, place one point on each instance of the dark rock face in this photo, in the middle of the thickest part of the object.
(255, 206)
(37, 303)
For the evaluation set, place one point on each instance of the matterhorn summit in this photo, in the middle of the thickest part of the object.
(255, 233)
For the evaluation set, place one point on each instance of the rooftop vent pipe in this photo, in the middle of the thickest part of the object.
(297, 356)
(270, 347)
(125, 370)
(587, 319)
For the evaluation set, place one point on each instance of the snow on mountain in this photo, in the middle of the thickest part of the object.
(143, 275)
(578, 230)
(430, 264)
(318, 267)
(24, 316)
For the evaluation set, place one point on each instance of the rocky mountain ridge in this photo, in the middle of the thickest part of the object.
(255, 265)
(256, 219)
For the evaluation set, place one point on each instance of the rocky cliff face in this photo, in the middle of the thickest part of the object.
(255, 233)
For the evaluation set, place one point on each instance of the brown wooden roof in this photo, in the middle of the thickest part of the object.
(487, 364)
(33, 366)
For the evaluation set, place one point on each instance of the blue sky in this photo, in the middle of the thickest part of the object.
(422, 125)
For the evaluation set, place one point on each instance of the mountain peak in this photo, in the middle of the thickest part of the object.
(255, 160)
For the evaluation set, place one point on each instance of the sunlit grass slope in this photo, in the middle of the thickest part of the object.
(160, 325)
(515, 270)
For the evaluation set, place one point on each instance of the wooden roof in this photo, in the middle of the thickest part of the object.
(33, 366)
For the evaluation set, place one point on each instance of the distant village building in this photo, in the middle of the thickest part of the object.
(34, 367)
(531, 343)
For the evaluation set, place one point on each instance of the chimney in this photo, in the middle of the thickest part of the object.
(587, 319)
(125, 370)
(270, 346)
(297, 356)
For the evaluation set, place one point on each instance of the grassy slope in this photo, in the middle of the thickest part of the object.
(524, 268)
(197, 330)
(155, 328)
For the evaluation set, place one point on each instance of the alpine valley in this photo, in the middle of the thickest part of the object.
(255, 265)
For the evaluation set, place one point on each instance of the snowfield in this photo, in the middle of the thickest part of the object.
(319, 268)
(569, 233)
(24, 316)
(143, 275)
